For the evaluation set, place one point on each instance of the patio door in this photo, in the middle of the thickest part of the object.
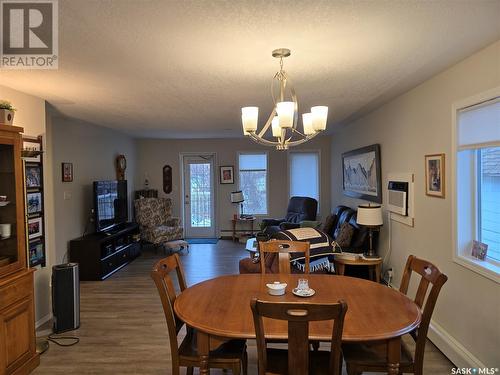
(199, 194)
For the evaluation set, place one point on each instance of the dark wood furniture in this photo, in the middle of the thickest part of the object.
(17, 315)
(298, 360)
(283, 249)
(218, 308)
(237, 233)
(373, 357)
(101, 254)
(374, 266)
(231, 355)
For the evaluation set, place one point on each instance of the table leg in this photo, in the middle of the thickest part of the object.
(339, 268)
(203, 351)
(393, 355)
(377, 272)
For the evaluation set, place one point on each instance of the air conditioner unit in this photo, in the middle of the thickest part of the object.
(398, 197)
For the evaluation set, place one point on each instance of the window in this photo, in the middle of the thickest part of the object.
(477, 184)
(304, 174)
(253, 182)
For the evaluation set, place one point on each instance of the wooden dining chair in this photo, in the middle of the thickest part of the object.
(298, 359)
(230, 355)
(283, 249)
(373, 357)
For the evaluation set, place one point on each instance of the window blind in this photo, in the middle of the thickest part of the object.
(479, 126)
(304, 174)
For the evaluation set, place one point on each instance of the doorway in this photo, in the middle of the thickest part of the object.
(199, 195)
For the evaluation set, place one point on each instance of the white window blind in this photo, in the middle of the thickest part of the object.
(253, 182)
(304, 174)
(479, 125)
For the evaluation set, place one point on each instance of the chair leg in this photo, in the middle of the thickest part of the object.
(352, 371)
(245, 363)
(315, 345)
(189, 371)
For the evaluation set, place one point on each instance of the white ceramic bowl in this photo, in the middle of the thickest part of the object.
(276, 288)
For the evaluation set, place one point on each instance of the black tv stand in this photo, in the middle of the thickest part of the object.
(102, 254)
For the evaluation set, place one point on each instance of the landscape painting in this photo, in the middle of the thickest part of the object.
(361, 173)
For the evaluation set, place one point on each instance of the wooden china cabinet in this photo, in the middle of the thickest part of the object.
(17, 315)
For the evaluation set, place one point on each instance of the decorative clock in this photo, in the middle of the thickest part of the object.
(121, 165)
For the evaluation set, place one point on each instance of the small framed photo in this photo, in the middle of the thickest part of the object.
(35, 228)
(227, 175)
(67, 172)
(34, 203)
(36, 253)
(479, 250)
(33, 176)
(435, 175)
(32, 146)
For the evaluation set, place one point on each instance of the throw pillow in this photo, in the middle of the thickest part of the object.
(328, 225)
(343, 235)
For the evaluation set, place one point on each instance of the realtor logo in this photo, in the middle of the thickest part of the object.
(29, 34)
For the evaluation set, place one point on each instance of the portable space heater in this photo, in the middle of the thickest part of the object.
(65, 297)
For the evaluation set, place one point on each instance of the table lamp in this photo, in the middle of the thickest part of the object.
(237, 197)
(371, 217)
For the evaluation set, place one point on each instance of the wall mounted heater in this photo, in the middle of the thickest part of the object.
(398, 197)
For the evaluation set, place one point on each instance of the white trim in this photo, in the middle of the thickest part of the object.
(464, 261)
(452, 348)
(267, 176)
(43, 320)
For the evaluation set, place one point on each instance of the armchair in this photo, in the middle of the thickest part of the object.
(156, 224)
(299, 209)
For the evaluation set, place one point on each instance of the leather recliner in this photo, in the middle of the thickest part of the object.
(299, 209)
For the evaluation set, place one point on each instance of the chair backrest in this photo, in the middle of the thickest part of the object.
(152, 212)
(283, 249)
(300, 209)
(298, 316)
(429, 275)
(164, 283)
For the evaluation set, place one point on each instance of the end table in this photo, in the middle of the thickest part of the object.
(242, 221)
(374, 266)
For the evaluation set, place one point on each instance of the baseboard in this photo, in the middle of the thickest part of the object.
(451, 348)
(43, 320)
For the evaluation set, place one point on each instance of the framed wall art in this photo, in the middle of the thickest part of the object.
(227, 174)
(67, 172)
(361, 173)
(435, 175)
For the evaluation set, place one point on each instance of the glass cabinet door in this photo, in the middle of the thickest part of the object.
(9, 251)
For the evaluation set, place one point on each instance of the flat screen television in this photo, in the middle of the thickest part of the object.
(110, 204)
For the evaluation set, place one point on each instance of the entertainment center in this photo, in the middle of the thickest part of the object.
(115, 243)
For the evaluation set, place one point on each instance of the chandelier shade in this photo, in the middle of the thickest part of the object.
(283, 119)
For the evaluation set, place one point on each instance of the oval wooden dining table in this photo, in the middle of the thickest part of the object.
(220, 310)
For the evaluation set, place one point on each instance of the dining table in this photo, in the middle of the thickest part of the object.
(219, 310)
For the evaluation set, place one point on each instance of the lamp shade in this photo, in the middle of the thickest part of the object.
(285, 111)
(308, 124)
(370, 216)
(237, 197)
(319, 117)
(275, 124)
(249, 119)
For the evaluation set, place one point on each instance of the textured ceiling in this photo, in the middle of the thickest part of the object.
(184, 68)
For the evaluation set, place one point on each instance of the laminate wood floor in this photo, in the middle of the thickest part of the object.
(123, 329)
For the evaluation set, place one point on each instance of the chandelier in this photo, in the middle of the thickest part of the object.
(283, 119)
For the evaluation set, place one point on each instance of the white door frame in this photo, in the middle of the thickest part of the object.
(182, 155)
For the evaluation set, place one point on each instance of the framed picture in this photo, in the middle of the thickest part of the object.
(361, 173)
(67, 172)
(434, 175)
(32, 146)
(36, 253)
(479, 250)
(35, 228)
(227, 175)
(34, 203)
(33, 176)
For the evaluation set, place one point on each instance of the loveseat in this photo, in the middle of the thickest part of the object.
(343, 231)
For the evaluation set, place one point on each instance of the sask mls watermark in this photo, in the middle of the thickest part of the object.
(29, 34)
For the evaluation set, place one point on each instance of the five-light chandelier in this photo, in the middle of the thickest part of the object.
(284, 116)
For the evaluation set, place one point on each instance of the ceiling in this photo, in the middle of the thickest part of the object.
(183, 69)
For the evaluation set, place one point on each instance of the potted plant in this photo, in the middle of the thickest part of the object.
(6, 113)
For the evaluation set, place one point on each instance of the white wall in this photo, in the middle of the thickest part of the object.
(416, 123)
(31, 116)
(154, 154)
(92, 150)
